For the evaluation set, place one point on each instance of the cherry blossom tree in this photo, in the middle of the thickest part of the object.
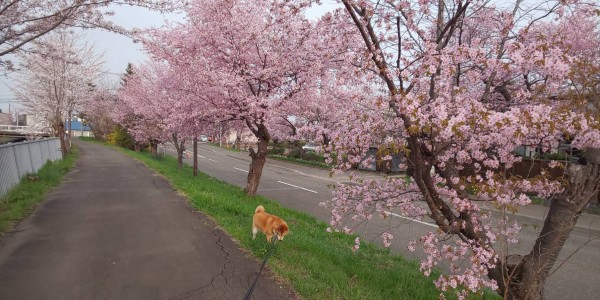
(96, 109)
(339, 86)
(245, 60)
(143, 107)
(459, 86)
(157, 109)
(55, 77)
(24, 21)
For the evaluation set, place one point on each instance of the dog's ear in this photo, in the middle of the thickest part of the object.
(281, 228)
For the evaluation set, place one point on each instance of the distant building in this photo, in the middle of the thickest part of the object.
(528, 151)
(25, 120)
(243, 139)
(78, 128)
(5, 119)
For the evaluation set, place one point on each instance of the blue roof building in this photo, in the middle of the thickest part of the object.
(78, 128)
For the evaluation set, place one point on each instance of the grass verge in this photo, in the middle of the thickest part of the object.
(309, 163)
(318, 264)
(20, 200)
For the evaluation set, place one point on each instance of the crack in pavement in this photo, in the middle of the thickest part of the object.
(219, 291)
(227, 261)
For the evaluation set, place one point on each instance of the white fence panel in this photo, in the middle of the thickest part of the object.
(9, 175)
(36, 155)
(45, 149)
(20, 159)
(23, 159)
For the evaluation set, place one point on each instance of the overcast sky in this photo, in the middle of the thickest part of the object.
(119, 50)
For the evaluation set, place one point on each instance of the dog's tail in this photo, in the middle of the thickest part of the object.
(259, 209)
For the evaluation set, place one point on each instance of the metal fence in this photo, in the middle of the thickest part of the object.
(20, 159)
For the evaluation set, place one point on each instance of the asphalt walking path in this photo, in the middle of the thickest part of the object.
(113, 229)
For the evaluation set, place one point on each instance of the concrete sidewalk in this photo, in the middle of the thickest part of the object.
(116, 230)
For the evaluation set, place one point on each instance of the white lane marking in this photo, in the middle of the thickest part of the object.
(212, 160)
(414, 220)
(191, 153)
(240, 169)
(298, 187)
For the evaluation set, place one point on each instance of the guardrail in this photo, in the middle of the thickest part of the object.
(14, 128)
(20, 159)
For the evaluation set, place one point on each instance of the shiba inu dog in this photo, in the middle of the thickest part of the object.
(269, 224)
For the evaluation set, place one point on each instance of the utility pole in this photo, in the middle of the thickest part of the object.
(195, 146)
(220, 135)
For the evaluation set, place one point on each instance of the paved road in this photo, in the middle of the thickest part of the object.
(115, 230)
(303, 188)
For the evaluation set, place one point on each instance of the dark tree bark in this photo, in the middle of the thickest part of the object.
(326, 139)
(527, 275)
(259, 157)
(154, 148)
(59, 128)
(180, 148)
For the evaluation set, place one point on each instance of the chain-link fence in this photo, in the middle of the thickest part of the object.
(20, 159)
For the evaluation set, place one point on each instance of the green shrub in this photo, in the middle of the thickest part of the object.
(554, 156)
(296, 153)
(120, 137)
(277, 149)
(313, 156)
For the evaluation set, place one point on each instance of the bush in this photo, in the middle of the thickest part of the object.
(120, 137)
(296, 153)
(313, 156)
(554, 156)
(278, 149)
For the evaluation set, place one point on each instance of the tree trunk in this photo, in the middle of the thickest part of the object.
(256, 166)
(259, 157)
(154, 149)
(195, 159)
(180, 148)
(529, 273)
(180, 158)
(60, 129)
(326, 139)
(238, 142)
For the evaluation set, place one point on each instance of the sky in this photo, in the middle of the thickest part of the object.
(119, 50)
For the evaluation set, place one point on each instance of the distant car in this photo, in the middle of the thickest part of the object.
(203, 138)
(312, 147)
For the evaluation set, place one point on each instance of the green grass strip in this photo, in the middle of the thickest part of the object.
(21, 199)
(318, 264)
(299, 161)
